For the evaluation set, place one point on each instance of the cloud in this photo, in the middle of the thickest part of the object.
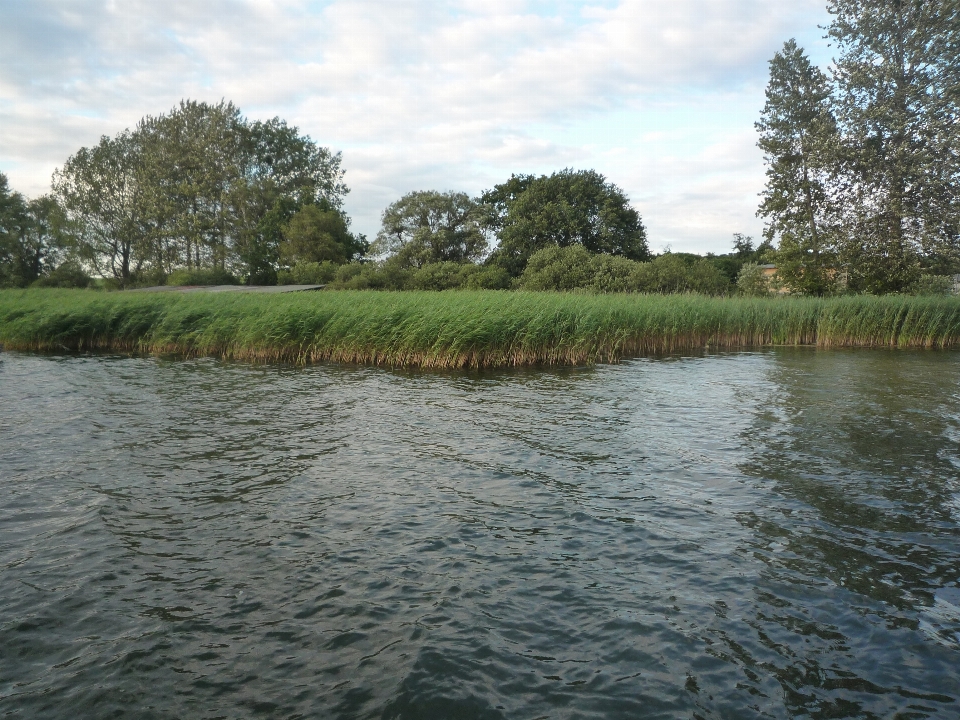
(423, 93)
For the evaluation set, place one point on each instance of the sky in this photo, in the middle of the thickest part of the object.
(660, 97)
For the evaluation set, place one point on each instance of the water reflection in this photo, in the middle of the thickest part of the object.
(859, 452)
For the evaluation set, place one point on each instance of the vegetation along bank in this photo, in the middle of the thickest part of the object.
(460, 329)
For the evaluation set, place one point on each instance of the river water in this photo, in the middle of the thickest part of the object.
(752, 535)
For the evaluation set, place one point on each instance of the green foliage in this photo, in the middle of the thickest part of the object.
(680, 273)
(311, 273)
(198, 187)
(104, 201)
(558, 268)
(613, 274)
(68, 275)
(33, 240)
(13, 223)
(460, 328)
(202, 276)
(934, 285)
(488, 277)
(428, 227)
(798, 136)
(574, 268)
(441, 276)
(566, 208)
(752, 282)
(317, 234)
(862, 172)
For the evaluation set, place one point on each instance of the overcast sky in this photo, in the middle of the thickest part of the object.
(659, 96)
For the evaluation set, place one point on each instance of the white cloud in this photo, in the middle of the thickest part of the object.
(426, 94)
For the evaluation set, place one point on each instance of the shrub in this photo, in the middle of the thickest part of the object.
(934, 285)
(441, 276)
(558, 268)
(201, 276)
(308, 273)
(676, 273)
(490, 277)
(68, 275)
(612, 273)
(751, 281)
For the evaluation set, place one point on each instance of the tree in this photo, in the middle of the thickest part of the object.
(319, 233)
(222, 188)
(282, 172)
(46, 244)
(429, 227)
(14, 221)
(100, 191)
(898, 83)
(495, 203)
(201, 188)
(567, 208)
(798, 136)
(190, 160)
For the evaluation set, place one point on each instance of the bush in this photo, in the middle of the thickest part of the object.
(679, 273)
(558, 268)
(371, 276)
(934, 285)
(613, 274)
(309, 273)
(751, 281)
(68, 275)
(490, 277)
(204, 276)
(441, 276)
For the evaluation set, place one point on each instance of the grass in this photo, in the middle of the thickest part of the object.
(458, 329)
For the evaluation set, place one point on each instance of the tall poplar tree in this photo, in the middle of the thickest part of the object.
(898, 95)
(798, 136)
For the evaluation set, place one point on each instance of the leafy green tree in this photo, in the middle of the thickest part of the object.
(190, 160)
(282, 171)
(428, 227)
(46, 244)
(101, 194)
(33, 242)
(898, 100)
(495, 203)
(319, 233)
(200, 187)
(566, 208)
(798, 136)
(14, 221)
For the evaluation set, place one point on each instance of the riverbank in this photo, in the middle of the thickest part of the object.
(459, 329)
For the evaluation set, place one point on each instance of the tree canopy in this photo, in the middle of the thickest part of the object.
(198, 187)
(566, 208)
(428, 227)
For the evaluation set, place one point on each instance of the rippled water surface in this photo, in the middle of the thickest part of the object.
(733, 536)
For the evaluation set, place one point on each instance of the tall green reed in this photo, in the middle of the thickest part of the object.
(459, 328)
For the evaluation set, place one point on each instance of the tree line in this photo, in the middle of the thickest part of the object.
(863, 171)
(203, 196)
(200, 188)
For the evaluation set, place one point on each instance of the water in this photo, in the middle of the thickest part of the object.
(768, 535)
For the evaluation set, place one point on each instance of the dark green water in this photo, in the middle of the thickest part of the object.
(770, 535)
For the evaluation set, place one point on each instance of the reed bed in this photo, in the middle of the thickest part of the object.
(459, 329)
